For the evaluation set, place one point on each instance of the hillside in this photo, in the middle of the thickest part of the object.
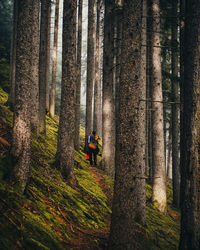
(54, 215)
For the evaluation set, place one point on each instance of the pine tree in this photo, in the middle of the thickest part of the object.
(54, 62)
(190, 133)
(159, 178)
(67, 109)
(78, 82)
(129, 191)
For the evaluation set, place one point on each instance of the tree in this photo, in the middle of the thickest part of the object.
(43, 57)
(129, 190)
(159, 178)
(108, 150)
(24, 78)
(54, 62)
(67, 109)
(175, 111)
(190, 148)
(78, 82)
(97, 85)
(90, 66)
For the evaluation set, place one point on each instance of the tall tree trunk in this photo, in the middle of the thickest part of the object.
(108, 149)
(78, 82)
(97, 86)
(54, 62)
(129, 191)
(90, 66)
(11, 99)
(48, 56)
(175, 111)
(67, 109)
(159, 176)
(24, 78)
(190, 149)
(35, 67)
(44, 29)
(169, 154)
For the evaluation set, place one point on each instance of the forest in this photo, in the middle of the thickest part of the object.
(100, 124)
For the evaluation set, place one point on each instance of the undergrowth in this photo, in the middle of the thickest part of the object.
(54, 215)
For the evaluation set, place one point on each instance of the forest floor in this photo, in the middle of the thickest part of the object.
(54, 215)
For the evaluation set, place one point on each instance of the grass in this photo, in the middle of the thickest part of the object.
(54, 215)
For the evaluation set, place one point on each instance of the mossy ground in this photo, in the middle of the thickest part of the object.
(54, 215)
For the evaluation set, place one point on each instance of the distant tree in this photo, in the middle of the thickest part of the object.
(90, 65)
(48, 56)
(190, 147)
(108, 150)
(158, 154)
(175, 107)
(67, 109)
(129, 190)
(78, 82)
(54, 62)
(43, 65)
(24, 78)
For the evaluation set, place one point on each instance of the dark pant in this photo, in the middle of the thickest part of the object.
(93, 155)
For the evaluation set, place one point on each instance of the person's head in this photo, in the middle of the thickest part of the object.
(94, 132)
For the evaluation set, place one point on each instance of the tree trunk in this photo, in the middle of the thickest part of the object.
(90, 66)
(11, 99)
(48, 56)
(108, 149)
(190, 148)
(35, 67)
(67, 109)
(78, 82)
(97, 86)
(44, 29)
(175, 111)
(54, 62)
(129, 191)
(159, 176)
(24, 78)
(169, 153)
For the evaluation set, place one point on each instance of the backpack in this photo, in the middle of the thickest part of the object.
(93, 142)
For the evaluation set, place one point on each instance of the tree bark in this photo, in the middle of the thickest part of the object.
(67, 111)
(78, 82)
(44, 29)
(175, 109)
(48, 56)
(11, 99)
(22, 128)
(108, 147)
(35, 67)
(190, 149)
(129, 190)
(97, 86)
(54, 62)
(90, 66)
(159, 176)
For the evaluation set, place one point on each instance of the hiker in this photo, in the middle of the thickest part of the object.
(93, 147)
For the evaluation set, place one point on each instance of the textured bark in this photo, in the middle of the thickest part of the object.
(190, 149)
(90, 66)
(108, 147)
(159, 178)
(175, 109)
(97, 85)
(129, 191)
(54, 62)
(44, 23)
(78, 82)
(48, 56)
(169, 154)
(22, 129)
(11, 99)
(67, 111)
(35, 66)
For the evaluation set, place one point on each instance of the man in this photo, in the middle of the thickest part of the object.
(93, 147)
